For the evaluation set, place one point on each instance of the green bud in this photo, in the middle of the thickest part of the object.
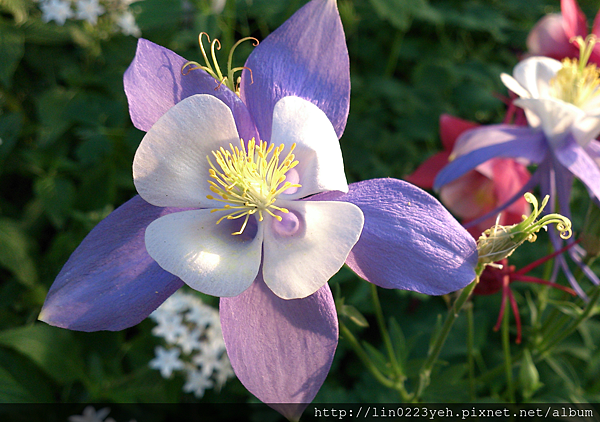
(500, 242)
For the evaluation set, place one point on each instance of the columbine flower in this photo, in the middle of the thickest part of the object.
(562, 104)
(479, 191)
(553, 35)
(281, 349)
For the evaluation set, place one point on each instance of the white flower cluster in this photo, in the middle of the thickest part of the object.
(116, 11)
(91, 415)
(192, 330)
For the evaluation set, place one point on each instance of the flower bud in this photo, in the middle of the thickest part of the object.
(499, 242)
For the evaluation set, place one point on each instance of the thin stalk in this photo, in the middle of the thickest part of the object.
(442, 335)
(507, 357)
(362, 355)
(470, 352)
(545, 350)
(385, 335)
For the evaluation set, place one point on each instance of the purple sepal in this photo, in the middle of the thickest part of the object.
(571, 155)
(497, 141)
(281, 350)
(154, 83)
(409, 240)
(110, 282)
(305, 57)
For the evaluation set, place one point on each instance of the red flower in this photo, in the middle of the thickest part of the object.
(552, 35)
(495, 279)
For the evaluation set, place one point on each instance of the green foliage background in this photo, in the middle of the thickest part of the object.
(65, 163)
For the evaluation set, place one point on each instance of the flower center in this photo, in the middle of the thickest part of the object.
(577, 82)
(249, 180)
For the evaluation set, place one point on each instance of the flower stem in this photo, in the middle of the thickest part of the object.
(434, 351)
(507, 357)
(385, 335)
(546, 348)
(470, 349)
(362, 355)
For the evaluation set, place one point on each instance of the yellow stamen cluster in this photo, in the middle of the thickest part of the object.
(577, 82)
(249, 180)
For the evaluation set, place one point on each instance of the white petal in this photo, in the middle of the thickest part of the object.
(170, 168)
(297, 265)
(512, 84)
(556, 116)
(205, 255)
(318, 152)
(534, 74)
(586, 128)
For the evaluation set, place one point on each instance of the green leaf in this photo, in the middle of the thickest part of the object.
(12, 48)
(529, 377)
(14, 255)
(354, 315)
(398, 341)
(54, 350)
(94, 147)
(57, 195)
(10, 127)
(38, 387)
(17, 8)
(567, 308)
(378, 359)
(54, 120)
(11, 390)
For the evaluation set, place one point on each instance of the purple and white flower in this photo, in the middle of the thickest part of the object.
(562, 105)
(291, 232)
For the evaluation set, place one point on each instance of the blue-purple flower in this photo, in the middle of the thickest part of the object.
(562, 104)
(274, 236)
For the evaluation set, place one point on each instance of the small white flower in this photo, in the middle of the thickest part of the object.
(197, 382)
(209, 358)
(223, 372)
(91, 415)
(89, 10)
(166, 361)
(201, 316)
(126, 22)
(190, 341)
(56, 10)
(217, 6)
(170, 328)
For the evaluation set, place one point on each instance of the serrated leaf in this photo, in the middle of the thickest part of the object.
(12, 48)
(14, 255)
(53, 349)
